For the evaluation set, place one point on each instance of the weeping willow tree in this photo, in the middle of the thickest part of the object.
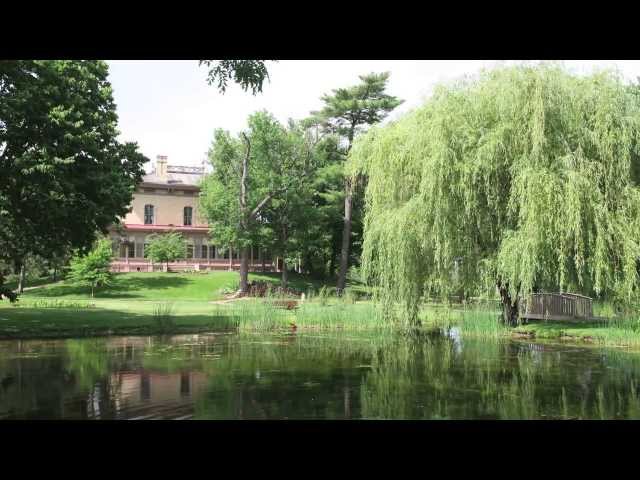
(515, 180)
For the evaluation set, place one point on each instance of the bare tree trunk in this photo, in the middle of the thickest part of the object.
(21, 279)
(284, 239)
(346, 237)
(244, 219)
(244, 269)
(285, 275)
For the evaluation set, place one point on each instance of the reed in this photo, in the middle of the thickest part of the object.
(163, 316)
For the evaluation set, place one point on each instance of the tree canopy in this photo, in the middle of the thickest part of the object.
(246, 73)
(520, 177)
(347, 112)
(65, 174)
(249, 171)
(93, 269)
(166, 247)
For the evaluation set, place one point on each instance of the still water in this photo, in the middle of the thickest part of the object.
(314, 376)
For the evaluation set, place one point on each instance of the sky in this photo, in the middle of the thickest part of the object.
(169, 109)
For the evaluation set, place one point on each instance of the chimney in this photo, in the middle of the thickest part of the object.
(161, 166)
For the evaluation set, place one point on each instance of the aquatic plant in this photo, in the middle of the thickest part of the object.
(163, 316)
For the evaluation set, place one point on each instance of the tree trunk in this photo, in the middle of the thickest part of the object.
(91, 291)
(510, 306)
(21, 279)
(284, 240)
(262, 255)
(346, 237)
(285, 275)
(244, 269)
(244, 220)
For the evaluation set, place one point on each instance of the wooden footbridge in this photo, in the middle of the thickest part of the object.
(559, 306)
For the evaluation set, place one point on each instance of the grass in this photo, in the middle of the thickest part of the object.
(163, 316)
(614, 332)
(148, 286)
(108, 318)
(146, 303)
(205, 286)
(264, 315)
(481, 321)
(12, 281)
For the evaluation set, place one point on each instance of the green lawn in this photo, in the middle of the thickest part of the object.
(127, 305)
(171, 286)
(147, 286)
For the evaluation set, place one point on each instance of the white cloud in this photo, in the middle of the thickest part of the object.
(169, 109)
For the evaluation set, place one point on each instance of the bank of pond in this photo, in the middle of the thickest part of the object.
(59, 318)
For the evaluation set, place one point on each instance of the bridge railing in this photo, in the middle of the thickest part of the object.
(559, 304)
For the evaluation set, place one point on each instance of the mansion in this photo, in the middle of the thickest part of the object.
(165, 201)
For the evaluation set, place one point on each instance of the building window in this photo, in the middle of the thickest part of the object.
(212, 251)
(146, 245)
(188, 211)
(189, 251)
(204, 251)
(148, 214)
(132, 249)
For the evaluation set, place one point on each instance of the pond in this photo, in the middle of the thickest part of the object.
(230, 375)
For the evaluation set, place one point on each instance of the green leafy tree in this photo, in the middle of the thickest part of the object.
(292, 219)
(93, 269)
(250, 171)
(520, 176)
(347, 112)
(246, 73)
(165, 248)
(65, 176)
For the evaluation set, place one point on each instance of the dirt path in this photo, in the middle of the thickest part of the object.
(40, 286)
(229, 300)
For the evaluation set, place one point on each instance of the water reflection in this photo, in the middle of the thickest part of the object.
(339, 376)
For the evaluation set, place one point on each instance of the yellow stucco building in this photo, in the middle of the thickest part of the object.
(167, 200)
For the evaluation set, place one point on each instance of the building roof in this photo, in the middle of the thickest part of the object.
(176, 176)
(164, 228)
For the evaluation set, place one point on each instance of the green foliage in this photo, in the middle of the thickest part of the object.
(348, 111)
(280, 160)
(520, 175)
(246, 73)
(65, 174)
(92, 269)
(164, 248)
